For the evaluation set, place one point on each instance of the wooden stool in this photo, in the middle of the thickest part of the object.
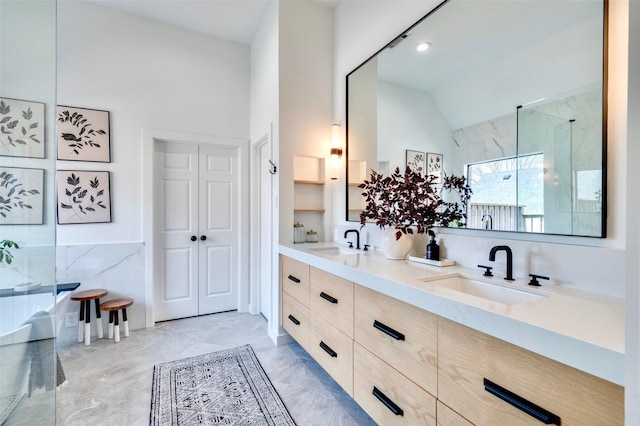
(113, 306)
(85, 297)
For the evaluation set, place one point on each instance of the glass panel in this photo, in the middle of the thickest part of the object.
(568, 132)
(27, 220)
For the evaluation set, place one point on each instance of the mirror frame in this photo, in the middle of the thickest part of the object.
(604, 145)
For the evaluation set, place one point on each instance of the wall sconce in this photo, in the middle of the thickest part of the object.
(336, 150)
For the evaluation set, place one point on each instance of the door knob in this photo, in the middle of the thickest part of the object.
(193, 238)
(203, 237)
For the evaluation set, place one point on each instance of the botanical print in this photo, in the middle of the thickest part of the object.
(415, 161)
(21, 196)
(83, 197)
(21, 128)
(83, 134)
(434, 166)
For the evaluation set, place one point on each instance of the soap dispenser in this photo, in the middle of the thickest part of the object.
(433, 249)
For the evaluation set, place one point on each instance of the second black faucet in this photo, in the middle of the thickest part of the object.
(357, 236)
(507, 249)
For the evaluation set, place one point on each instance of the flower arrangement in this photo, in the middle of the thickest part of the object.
(411, 202)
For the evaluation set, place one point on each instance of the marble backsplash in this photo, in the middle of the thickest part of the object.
(118, 268)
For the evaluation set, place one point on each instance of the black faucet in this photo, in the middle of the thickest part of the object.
(492, 258)
(357, 236)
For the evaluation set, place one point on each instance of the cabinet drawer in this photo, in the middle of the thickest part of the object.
(467, 359)
(400, 334)
(331, 297)
(295, 279)
(388, 396)
(333, 350)
(447, 417)
(295, 319)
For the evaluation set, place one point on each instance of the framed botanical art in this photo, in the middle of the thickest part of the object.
(21, 128)
(83, 197)
(21, 196)
(415, 161)
(83, 134)
(434, 166)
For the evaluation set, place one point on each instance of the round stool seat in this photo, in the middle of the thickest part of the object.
(89, 294)
(84, 322)
(116, 304)
(113, 306)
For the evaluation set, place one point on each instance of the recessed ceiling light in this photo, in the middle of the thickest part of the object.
(423, 46)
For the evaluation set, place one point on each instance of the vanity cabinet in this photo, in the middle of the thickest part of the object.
(404, 365)
(389, 397)
(477, 373)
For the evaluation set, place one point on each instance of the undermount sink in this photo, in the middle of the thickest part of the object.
(334, 250)
(489, 291)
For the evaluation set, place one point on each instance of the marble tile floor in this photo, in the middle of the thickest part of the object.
(110, 384)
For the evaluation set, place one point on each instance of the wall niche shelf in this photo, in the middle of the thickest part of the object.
(308, 192)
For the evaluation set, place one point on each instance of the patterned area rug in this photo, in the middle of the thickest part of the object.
(228, 387)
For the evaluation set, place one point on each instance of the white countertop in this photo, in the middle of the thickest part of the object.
(581, 329)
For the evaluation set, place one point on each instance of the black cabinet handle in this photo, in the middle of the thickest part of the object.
(294, 279)
(203, 237)
(388, 330)
(387, 402)
(519, 402)
(293, 320)
(327, 349)
(193, 238)
(328, 298)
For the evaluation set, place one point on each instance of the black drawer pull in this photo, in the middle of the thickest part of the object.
(293, 320)
(327, 349)
(388, 330)
(328, 298)
(387, 402)
(294, 279)
(519, 402)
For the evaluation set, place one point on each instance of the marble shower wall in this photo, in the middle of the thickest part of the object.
(118, 268)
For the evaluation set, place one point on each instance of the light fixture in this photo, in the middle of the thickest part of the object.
(336, 146)
(336, 150)
(423, 46)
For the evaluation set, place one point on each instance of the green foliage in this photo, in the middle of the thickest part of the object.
(5, 254)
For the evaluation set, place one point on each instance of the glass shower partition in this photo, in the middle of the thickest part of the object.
(28, 293)
(566, 132)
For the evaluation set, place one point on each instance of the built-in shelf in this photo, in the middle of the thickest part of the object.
(309, 210)
(309, 182)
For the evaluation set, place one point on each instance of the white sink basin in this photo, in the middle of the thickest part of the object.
(334, 250)
(500, 293)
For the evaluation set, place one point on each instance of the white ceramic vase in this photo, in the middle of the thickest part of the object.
(395, 249)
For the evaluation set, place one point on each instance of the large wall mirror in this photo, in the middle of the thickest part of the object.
(510, 94)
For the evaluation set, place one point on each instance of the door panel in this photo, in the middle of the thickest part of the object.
(177, 223)
(219, 196)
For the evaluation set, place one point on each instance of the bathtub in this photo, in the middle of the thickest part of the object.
(16, 332)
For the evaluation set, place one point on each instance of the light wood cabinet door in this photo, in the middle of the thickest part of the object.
(388, 396)
(295, 319)
(477, 370)
(447, 417)
(295, 279)
(400, 334)
(333, 350)
(331, 297)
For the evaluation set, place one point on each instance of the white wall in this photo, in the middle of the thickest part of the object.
(632, 370)
(361, 28)
(305, 63)
(148, 75)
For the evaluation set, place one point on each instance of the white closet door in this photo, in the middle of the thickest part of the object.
(219, 224)
(176, 289)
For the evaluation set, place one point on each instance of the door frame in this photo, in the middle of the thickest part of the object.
(256, 234)
(149, 175)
